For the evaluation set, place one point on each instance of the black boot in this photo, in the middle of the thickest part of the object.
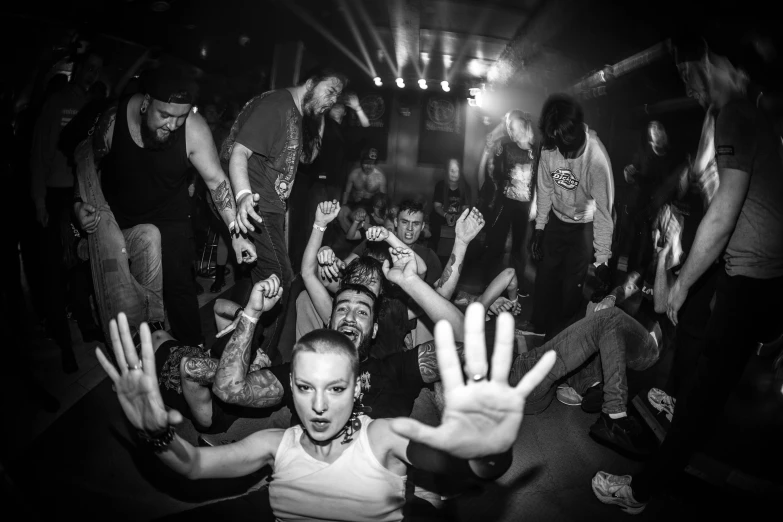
(220, 279)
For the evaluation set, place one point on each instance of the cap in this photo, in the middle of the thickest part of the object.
(169, 85)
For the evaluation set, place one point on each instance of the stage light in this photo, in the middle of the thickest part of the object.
(445, 86)
(377, 81)
(447, 61)
(423, 83)
(400, 83)
(446, 89)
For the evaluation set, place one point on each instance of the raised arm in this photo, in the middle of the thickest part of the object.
(137, 388)
(353, 102)
(403, 273)
(379, 233)
(358, 220)
(203, 155)
(324, 214)
(233, 382)
(466, 229)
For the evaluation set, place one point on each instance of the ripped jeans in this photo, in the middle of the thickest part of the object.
(618, 339)
(126, 264)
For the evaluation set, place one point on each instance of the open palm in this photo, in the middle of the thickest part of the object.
(136, 381)
(482, 417)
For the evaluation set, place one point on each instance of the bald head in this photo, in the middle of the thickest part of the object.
(325, 341)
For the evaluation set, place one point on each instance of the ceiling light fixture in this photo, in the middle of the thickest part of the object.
(400, 83)
(445, 86)
(423, 83)
(377, 81)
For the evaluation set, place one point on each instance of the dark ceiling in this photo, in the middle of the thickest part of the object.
(550, 42)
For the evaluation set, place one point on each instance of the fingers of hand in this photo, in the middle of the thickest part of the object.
(147, 353)
(108, 367)
(448, 360)
(534, 377)
(116, 344)
(504, 348)
(131, 356)
(475, 346)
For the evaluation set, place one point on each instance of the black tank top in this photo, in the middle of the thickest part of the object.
(143, 185)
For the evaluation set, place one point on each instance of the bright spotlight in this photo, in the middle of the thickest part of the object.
(400, 83)
(447, 60)
(377, 81)
(445, 86)
(423, 83)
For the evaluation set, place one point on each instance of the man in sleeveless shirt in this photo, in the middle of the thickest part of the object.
(269, 137)
(143, 147)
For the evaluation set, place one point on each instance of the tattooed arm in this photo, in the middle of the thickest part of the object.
(203, 155)
(428, 362)
(466, 229)
(233, 383)
(235, 380)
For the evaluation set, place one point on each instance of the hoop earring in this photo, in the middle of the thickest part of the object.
(354, 424)
(142, 109)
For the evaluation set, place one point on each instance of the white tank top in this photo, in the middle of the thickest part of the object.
(356, 486)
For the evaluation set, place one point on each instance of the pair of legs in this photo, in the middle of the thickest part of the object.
(742, 314)
(620, 342)
(567, 250)
(269, 239)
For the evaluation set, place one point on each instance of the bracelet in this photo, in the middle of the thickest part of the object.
(516, 299)
(231, 226)
(318, 227)
(251, 319)
(239, 311)
(242, 193)
(159, 441)
(614, 297)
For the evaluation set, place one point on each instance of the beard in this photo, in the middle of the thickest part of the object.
(364, 347)
(311, 128)
(150, 138)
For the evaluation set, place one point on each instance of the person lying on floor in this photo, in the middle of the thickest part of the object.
(340, 464)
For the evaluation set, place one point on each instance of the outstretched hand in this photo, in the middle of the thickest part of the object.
(265, 295)
(326, 212)
(482, 417)
(403, 265)
(468, 225)
(136, 381)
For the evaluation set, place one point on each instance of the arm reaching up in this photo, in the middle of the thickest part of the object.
(325, 213)
(403, 273)
(466, 229)
(233, 382)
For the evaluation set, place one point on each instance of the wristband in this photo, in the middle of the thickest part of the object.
(318, 227)
(231, 226)
(251, 319)
(159, 441)
(242, 193)
(239, 311)
(516, 299)
(614, 297)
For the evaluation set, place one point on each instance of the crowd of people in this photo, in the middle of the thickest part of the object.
(390, 368)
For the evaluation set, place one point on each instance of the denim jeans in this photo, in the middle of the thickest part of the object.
(269, 240)
(126, 264)
(620, 342)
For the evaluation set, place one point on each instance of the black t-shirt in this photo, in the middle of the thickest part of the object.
(270, 125)
(329, 163)
(393, 326)
(454, 199)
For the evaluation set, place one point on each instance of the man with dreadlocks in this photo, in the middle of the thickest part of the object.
(272, 134)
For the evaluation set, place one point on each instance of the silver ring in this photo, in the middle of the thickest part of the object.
(136, 367)
(478, 377)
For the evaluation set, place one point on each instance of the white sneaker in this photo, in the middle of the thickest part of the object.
(662, 401)
(616, 489)
(568, 396)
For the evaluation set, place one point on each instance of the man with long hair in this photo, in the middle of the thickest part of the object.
(272, 134)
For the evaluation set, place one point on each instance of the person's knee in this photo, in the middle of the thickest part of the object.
(149, 236)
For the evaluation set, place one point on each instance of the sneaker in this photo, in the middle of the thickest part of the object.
(616, 489)
(662, 401)
(593, 399)
(568, 396)
(625, 433)
(528, 328)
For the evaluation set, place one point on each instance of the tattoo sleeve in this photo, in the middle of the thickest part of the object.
(428, 361)
(102, 132)
(201, 370)
(235, 380)
(222, 197)
(446, 275)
